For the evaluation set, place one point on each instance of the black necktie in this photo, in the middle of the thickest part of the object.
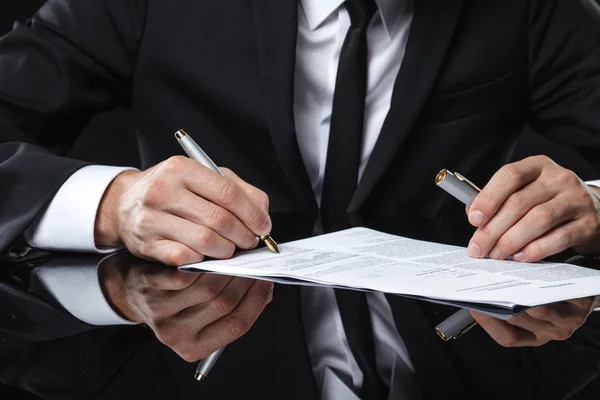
(341, 178)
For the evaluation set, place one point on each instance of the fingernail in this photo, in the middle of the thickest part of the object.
(268, 285)
(474, 250)
(476, 217)
(495, 253)
(519, 257)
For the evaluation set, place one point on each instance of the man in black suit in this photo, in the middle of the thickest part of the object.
(302, 100)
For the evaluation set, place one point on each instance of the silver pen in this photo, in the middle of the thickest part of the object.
(464, 190)
(195, 152)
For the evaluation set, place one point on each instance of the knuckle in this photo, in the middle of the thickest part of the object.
(181, 280)
(210, 291)
(166, 335)
(156, 312)
(206, 239)
(512, 173)
(220, 220)
(174, 165)
(144, 221)
(508, 243)
(255, 215)
(542, 312)
(263, 197)
(230, 251)
(153, 192)
(516, 201)
(542, 159)
(223, 305)
(579, 320)
(484, 232)
(566, 177)
(262, 297)
(509, 339)
(178, 256)
(560, 334)
(144, 248)
(544, 214)
(190, 356)
(238, 327)
(563, 238)
(230, 193)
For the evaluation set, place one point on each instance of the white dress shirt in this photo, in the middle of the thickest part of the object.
(322, 28)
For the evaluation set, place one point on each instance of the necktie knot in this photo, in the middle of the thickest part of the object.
(361, 12)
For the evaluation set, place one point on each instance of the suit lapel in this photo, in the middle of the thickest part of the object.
(277, 30)
(430, 35)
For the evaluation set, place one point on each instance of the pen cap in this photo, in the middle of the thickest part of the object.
(457, 186)
(195, 152)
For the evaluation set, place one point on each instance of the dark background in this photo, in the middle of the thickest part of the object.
(110, 139)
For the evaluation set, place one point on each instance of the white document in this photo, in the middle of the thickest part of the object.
(365, 259)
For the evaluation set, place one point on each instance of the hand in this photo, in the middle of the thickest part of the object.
(194, 314)
(179, 211)
(540, 325)
(533, 209)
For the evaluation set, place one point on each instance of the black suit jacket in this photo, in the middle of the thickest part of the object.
(474, 73)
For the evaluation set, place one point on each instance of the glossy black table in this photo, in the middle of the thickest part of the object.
(47, 351)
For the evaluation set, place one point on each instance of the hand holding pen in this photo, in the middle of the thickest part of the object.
(176, 213)
(196, 153)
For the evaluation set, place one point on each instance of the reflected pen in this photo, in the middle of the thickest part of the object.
(196, 153)
(464, 190)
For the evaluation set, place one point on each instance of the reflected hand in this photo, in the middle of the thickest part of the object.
(539, 325)
(533, 209)
(194, 314)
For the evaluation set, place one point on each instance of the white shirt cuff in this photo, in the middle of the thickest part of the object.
(78, 290)
(68, 222)
(593, 183)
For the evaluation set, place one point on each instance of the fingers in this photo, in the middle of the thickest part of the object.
(170, 253)
(204, 290)
(533, 209)
(239, 321)
(563, 315)
(508, 180)
(555, 241)
(204, 213)
(159, 277)
(507, 232)
(225, 192)
(205, 313)
(181, 201)
(503, 333)
(538, 325)
(258, 195)
(198, 331)
(199, 238)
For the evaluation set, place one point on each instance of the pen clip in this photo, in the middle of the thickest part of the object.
(465, 330)
(468, 182)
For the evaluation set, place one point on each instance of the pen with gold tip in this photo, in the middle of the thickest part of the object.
(195, 152)
(464, 190)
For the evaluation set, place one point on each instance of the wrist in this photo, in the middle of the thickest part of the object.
(106, 227)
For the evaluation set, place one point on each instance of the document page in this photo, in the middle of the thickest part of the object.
(362, 258)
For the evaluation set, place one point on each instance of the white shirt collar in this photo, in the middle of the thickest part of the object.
(317, 11)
